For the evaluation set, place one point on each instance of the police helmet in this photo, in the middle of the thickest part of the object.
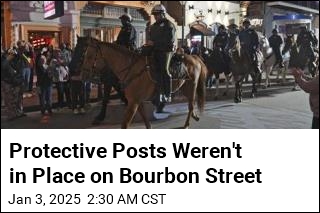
(274, 31)
(246, 21)
(158, 9)
(233, 26)
(222, 27)
(126, 16)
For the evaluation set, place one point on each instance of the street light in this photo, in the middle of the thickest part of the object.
(183, 3)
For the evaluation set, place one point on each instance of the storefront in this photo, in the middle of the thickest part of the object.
(44, 38)
(200, 35)
(29, 24)
(290, 24)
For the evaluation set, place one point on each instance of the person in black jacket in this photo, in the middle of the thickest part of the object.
(306, 41)
(249, 40)
(128, 34)
(162, 38)
(275, 43)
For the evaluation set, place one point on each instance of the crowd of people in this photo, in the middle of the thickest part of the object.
(50, 66)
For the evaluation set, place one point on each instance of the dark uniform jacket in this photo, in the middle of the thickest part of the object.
(127, 37)
(307, 39)
(249, 39)
(275, 41)
(162, 33)
(221, 40)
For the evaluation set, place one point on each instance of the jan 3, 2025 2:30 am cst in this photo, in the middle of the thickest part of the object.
(87, 199)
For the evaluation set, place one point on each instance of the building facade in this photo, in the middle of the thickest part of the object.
(201, 19)
(27, 23)
(100, 19)
(286, 16)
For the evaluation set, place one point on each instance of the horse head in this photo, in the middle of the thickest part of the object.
(85, 55)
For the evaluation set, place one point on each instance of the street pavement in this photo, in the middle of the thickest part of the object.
(274, 108)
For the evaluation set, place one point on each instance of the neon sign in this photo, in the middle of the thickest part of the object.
(53, 9)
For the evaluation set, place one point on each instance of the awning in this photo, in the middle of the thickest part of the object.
(175, 10)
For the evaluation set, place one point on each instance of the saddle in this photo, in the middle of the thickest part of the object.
(178, 69)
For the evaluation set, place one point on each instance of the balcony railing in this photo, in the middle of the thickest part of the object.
(92, 9)
(110, 12)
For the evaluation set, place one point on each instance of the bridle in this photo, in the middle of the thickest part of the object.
(126, 79)
(98, 50)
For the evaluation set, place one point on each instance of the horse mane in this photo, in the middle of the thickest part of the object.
(115, 46)
(120, 48)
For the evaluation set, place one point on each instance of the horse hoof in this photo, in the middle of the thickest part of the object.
(225, 94)
(264, 87)
(269, 85)
(236, 100)
(294, 89)
(186, 127)
(252, 95)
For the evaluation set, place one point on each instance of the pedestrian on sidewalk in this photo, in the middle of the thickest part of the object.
(44, 83)
(60, 77)
(310, 86)
(78, 94)
(11, 85)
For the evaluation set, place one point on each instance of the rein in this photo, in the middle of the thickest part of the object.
(126, 80)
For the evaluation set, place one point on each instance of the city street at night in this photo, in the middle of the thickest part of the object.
(268, 111)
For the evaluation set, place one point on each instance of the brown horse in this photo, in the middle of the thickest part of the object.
(134, 71)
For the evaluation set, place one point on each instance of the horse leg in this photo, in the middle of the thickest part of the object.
(209, 81)
(237, 93)
(254, 87)
(190, 113)
(129, 114)
(227, 86)
(142, 111)
(268, 71)
(240, 90)
(284, 73)
(190, 93)
(102, 115)
(217, 87)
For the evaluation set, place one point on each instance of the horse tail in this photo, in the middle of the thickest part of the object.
(201, 87)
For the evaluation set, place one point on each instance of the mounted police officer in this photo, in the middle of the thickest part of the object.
(220, 41)
(233, 30)
(162, 38)
(128, 34)
(307, 41)
(275, 43)
(249, 40)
